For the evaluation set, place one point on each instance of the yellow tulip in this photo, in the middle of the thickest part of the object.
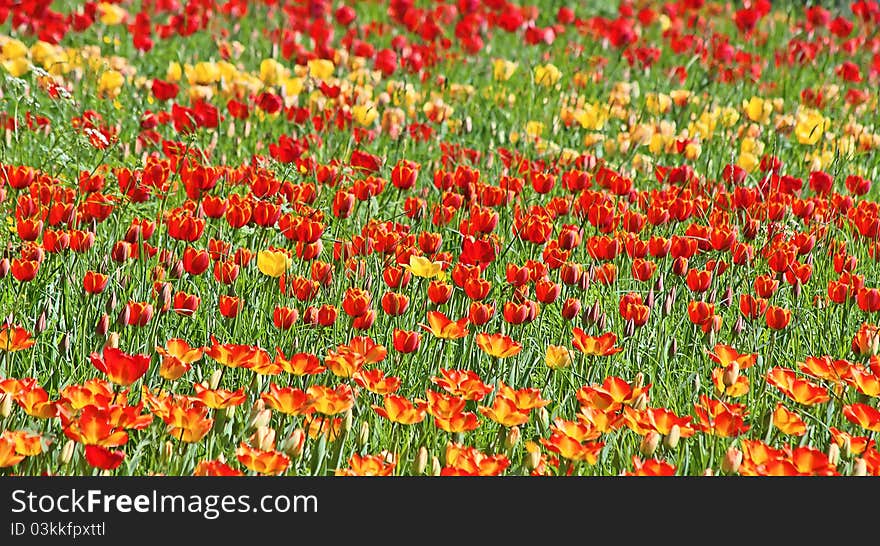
(272, 263)
(174, 72)
(13, 49)
(547, 75)
(17, 67)
(271, 71)
(811, 126)
(321, 69)
(364, 114)
(423, 267)
(111, 14)
(110, 83)
(759, 110)
(557, 357)
(503, 69)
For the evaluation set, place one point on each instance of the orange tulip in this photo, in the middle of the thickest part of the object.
(857, 444)
(121, 368)
(398, 409)
(330, 401)
(232, 355)
(343, 363)
(724, 355)
(441, 326)
(650, 467)
(497, 345)
(219, 398)
(569, 448)
(299, 363)
(777, 317)
(369, 465)
(287, 400)
(15, 338)
(595, 345)
(262, 462)
(177, 358)
(505, 412)
(376, 381)
(215, 468)
(26, 443)
(462, 383)
(788, 421)
(823, 367)
(863, 415)
(94, 427)
(460, 422)
(740, 387)
(444, 406)
(660, 420)
(188, 421)
(468, 461)
(613, 393)
(35, 402)
(582, 431)
(8, 455)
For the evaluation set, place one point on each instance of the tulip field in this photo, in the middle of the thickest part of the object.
(439, 238)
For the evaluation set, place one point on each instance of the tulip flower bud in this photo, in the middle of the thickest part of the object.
(40, 324)
(602, 323)
(731, 374)
(629, 328)
(544, 418)
(834, 454)
(347, 421)
(671, 440)
(67, 452)
(713, 295)
(860, 467)
(112, 340)
(533, 456)
(363, 435)
(667, 304)
(649, 299)
(641, 401)
(5, 404)
(263, 438)
(658, 284)
(638, 381)
(112, 302)
(64, 344)
(102, 325)
(256, 384)
(649, 443)
(673, 348)
(167, 451)
(732, 460)
(708, 472)
(214, 379)
(710, 337)
(595, 312)
(256, 417)
(435, 466)
(123, 316)
(420, 463)
(512, 438)
(295, 444)
(846, 449)
(727, 298)
(738, 325)
(4, 267)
